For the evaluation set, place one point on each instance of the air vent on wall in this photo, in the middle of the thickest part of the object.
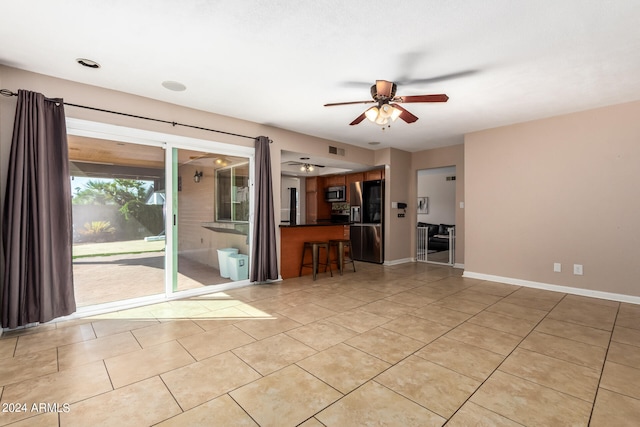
(451, 178)
(336, 150)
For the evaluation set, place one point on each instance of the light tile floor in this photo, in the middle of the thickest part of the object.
(407, 345)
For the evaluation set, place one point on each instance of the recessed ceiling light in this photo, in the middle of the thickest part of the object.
(374, 143)
(174, 86)
(87, 63)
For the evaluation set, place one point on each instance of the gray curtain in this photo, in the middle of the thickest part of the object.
(264, 257)
(37, 230)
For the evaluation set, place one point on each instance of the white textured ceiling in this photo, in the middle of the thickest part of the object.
(277, 62)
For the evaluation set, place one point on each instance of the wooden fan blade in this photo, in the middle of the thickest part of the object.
(405, 115)
(357, 120)
(384, 88)
(348, 103)
(424, 98)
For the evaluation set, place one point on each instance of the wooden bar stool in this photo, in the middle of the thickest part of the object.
(341, 245)
(315, 247)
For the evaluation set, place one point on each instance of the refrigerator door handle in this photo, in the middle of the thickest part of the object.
(355, 214)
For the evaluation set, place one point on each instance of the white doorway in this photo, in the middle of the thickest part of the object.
(436, 216)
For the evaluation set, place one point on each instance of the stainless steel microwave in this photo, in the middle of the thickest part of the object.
(336, 194)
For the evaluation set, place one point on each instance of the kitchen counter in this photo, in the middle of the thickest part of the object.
(292, 238)
(314, 224)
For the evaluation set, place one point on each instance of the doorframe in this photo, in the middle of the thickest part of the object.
(92, 129)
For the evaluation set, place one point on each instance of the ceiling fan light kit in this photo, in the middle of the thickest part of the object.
(383, 114)
(372, 114)
(305, 167)
(388, 108)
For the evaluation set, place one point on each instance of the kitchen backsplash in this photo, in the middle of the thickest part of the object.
(338, 206)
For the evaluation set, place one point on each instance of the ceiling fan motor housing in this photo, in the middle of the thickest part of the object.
(383, 97)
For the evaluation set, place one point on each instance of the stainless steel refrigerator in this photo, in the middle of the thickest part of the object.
(367, 214)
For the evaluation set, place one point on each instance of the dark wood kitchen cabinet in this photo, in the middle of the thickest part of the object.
(316, 207)
(374, 174)
(335, 180)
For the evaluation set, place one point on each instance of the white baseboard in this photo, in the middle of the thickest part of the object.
(455, 265)
(398, 261)
(556, 288)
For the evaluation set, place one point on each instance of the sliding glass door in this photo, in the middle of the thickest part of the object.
(156, 215)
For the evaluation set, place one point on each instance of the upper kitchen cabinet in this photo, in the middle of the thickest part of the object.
(355, 177)
(335, 180)
(316, 207)
(312, 184)
(374, 174)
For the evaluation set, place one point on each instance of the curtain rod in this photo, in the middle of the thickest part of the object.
(7, 92)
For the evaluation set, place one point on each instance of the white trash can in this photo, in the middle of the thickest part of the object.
(238, 267)
(223, 257)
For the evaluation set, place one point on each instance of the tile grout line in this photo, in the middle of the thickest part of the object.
(403, 359)
(503, 360)
(604, 362)
(175, 399)
(344, 395)
(241, 407)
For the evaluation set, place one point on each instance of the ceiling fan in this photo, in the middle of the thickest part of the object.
(388, 104)
(304, 167)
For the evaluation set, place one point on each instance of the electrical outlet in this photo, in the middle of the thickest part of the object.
(557, 267)
(577, 269)
(400, 215)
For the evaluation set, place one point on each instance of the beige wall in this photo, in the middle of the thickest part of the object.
(563, 189)
(437, 158)
(397, 231)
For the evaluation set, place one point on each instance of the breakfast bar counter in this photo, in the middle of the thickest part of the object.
(292, 238)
